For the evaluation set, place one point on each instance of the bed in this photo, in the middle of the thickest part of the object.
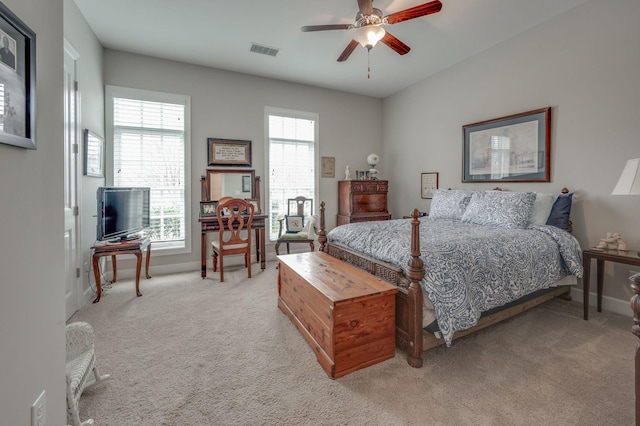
(478, 258)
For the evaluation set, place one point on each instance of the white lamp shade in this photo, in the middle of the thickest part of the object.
(629, 182)
(369, 35)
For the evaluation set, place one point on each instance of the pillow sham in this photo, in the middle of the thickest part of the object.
(294, 223)
(449, 203)
(505, 209)
(560, 212)
(541, 208)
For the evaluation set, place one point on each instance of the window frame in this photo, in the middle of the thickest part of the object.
(304, 115)
(111, 92)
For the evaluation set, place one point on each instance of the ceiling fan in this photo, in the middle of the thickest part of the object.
(369, 22)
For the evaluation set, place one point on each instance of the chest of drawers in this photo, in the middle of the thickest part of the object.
(362, 201)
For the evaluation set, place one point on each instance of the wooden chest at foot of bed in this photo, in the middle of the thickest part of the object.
(346, 315)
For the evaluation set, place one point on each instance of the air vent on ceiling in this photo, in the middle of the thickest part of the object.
(263, 50)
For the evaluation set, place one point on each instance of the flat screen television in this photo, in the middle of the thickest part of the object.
(123, 212)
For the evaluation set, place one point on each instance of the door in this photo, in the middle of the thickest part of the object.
(73, 280)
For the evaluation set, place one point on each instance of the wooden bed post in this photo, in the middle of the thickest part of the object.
(414, 296)
(635, 307)
(322, 235)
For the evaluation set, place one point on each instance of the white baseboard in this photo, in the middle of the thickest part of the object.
(608, 303)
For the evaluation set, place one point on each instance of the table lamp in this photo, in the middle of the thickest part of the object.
(629, 182)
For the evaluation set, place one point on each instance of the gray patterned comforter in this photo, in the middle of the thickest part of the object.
(469, 268)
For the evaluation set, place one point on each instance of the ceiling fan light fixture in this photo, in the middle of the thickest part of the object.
(369, 35)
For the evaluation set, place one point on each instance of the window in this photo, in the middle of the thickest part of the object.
(291, 160)
(150, 134)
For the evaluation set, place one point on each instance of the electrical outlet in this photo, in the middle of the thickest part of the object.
(39, 411)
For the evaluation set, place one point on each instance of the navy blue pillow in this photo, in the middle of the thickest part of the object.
(559, 216)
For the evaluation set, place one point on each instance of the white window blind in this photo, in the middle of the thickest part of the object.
(149, 150)
(291, 164)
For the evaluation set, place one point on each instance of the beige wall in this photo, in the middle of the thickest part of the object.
(584, 64)
(32, 317)
(232, 106)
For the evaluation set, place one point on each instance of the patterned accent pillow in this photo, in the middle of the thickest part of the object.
(294, 223)
(449, 203)
(505, 209)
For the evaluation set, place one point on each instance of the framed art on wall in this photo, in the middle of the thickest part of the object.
(515, 148)
(93, 154)
(17, 81)
(228, 152)
(428, 184)
(328, 167)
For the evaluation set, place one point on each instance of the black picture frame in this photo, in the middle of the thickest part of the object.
(515, 148)
(228, 152)
(17, 81)
(246, 183)
(93, 154)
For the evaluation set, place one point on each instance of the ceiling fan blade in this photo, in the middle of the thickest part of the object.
(395, 44)
(415, 12)
(347, 52)
(310, 28)
(365, 6)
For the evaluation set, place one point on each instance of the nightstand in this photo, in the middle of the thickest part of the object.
(601, 255)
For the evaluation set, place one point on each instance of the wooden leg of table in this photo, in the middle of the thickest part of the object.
(146, 263)
(586, 265)
(263, 250)
(258, 254)
(138, 267)
(113, 262)
(600, 275)
(203, 255)
(96, 274)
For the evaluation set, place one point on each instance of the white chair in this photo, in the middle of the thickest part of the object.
(81, 362)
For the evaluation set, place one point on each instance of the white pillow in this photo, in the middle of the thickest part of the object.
(541, 208)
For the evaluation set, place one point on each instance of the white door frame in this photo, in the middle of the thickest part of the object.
(72, 183)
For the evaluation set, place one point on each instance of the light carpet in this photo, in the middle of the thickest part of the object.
(195, 351)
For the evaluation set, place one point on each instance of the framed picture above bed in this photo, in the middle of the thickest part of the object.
(428, 184)
(515, 148)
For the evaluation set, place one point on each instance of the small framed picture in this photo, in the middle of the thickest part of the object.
(256, 205)
(328, 167)
(208, 208)
(428, 184)
(246, 183)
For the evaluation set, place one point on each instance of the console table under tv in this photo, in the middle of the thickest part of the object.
(136, 247)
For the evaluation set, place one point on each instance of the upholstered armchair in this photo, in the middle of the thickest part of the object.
(81, 362)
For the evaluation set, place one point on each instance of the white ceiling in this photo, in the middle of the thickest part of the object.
(218, 34)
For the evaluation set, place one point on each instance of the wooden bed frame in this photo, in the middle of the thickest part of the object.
(410, 335)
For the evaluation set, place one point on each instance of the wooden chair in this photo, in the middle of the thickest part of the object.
(235, 217)
(298, 224)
